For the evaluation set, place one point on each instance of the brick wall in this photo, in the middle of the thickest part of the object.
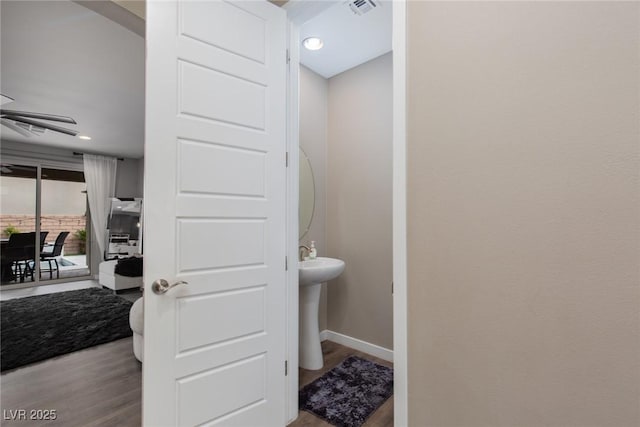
(54, 224)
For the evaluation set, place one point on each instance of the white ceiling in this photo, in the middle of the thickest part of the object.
(349, 39)
(58, 57)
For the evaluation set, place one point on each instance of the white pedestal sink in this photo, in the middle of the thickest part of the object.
(312, 274)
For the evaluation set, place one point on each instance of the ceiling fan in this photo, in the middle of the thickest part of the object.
(23, 121)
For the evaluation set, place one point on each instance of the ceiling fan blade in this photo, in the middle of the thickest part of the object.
(16, 128)
(40, 116)
(41, 124)
(5, 99)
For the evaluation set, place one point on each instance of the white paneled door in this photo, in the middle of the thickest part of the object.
(214, 348)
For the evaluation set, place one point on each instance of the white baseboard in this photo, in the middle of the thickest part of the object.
(355, 343)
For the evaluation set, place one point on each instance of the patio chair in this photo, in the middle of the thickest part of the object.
(52, 256)
(19, 255)
(30, 255)
(13, 254)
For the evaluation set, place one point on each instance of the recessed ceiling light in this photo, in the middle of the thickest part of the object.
(312, 43)
(85, 137)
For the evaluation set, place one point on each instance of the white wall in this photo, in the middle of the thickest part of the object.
(524, 214)
(58, 197)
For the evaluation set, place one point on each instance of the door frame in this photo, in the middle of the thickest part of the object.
(400, 373)
(299, 11)
(292, 289)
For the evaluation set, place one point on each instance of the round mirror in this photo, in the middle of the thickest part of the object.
(307, 195)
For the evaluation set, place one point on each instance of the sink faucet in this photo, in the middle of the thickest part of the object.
(301, 250)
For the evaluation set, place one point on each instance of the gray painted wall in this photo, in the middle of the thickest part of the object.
(350, 155)
(359, 201)
(523, 214)
(129, 178)
(313, 140)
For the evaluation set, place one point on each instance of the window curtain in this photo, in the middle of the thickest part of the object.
(100, 176)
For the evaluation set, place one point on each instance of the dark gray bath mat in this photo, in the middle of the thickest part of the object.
(45, 326)
(349, 393)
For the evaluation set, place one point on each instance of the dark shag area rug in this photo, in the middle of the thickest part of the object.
(40, 327)
(349, 393)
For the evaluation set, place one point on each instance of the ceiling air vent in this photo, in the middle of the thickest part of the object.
(360, 7)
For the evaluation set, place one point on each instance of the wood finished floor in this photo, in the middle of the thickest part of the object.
(98, 387)
(333, 354)
(101, 386)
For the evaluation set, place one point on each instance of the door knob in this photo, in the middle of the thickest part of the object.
(161, 286)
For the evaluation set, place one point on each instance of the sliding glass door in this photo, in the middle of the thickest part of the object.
(18, 184)
(64, 216)
(51, 204)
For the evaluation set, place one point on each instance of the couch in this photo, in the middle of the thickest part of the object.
(108, 278)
